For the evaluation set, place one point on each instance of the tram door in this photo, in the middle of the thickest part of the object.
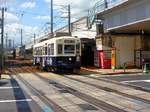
(87, 58)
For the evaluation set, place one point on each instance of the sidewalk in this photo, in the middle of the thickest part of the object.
(94, 70)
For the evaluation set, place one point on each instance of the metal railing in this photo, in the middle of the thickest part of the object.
(101, 6)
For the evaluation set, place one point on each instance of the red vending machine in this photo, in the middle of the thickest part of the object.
(104, 59)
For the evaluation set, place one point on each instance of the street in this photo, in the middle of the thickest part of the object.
(74, 55)
(24, 90)
(142, 80)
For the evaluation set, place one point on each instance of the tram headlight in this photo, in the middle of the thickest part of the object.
(77, 58)
(70, 59)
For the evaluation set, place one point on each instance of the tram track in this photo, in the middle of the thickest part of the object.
(16, 67)
(118, 83)
(92, 100)
(52, 105)
(110, 90)
(96, 102)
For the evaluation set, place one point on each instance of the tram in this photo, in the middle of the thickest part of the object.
(58, 53)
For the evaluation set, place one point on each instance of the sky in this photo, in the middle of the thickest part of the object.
(33, 16)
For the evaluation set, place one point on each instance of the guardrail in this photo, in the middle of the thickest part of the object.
(101, 6)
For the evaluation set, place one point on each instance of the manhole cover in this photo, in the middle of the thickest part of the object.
(109, 89)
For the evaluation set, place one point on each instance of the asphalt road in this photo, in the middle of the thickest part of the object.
(136, 80)
(14, 99)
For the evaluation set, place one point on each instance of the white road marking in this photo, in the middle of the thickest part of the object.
(9, 87)
(11, 101)
(136, 81)
(94, 75)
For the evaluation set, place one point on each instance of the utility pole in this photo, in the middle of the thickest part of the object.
(34, 38)
(106, 3)
(69, 20)
(52, 18)
(21, 38)
(6, 40)
(9, 43)
(2, 41)
(6, 49)
(13, 43)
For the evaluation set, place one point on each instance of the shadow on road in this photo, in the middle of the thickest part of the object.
(19, 95)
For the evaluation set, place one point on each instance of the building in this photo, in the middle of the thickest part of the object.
(123, 26)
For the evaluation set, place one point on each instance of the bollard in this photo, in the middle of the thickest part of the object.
(145, 69)
(113, 68)
(124, 67)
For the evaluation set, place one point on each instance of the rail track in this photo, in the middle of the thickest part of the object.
(52, 105)
(15, 67)
(21, 66)
(115, 82)
(109, 89)
(98, 103)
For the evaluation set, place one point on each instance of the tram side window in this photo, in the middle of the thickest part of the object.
(36, 51)
(52, 49)
(45, 50)
(49, 50)
(40, 51)
(78, 48)
(60, 49)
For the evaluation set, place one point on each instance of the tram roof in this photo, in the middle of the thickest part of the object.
(54, 39)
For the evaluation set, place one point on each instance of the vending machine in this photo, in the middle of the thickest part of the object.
(104, 59)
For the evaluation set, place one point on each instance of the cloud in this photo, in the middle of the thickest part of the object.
(26, 5)
(78, 7)
(10, 18)
(42, 17)
(14, 29)
(6, 2)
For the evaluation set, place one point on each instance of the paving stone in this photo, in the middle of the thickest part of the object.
(78, 101)
(73, 109)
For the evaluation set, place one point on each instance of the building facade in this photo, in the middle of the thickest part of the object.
(124, 26)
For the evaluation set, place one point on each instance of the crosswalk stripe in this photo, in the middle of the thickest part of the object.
(11, 101)
(136, 81)
(9, 87)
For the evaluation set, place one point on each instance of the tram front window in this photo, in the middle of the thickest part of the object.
(69, 49)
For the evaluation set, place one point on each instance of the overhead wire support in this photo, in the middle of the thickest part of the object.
(21, 37)
(69, 20)
(34, 38)
(52, 18)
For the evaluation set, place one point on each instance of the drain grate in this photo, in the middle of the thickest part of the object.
(87, 107)
(63, 91)
(109, 89)
(70, 89)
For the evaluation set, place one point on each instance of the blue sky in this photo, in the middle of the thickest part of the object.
(33, 15)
